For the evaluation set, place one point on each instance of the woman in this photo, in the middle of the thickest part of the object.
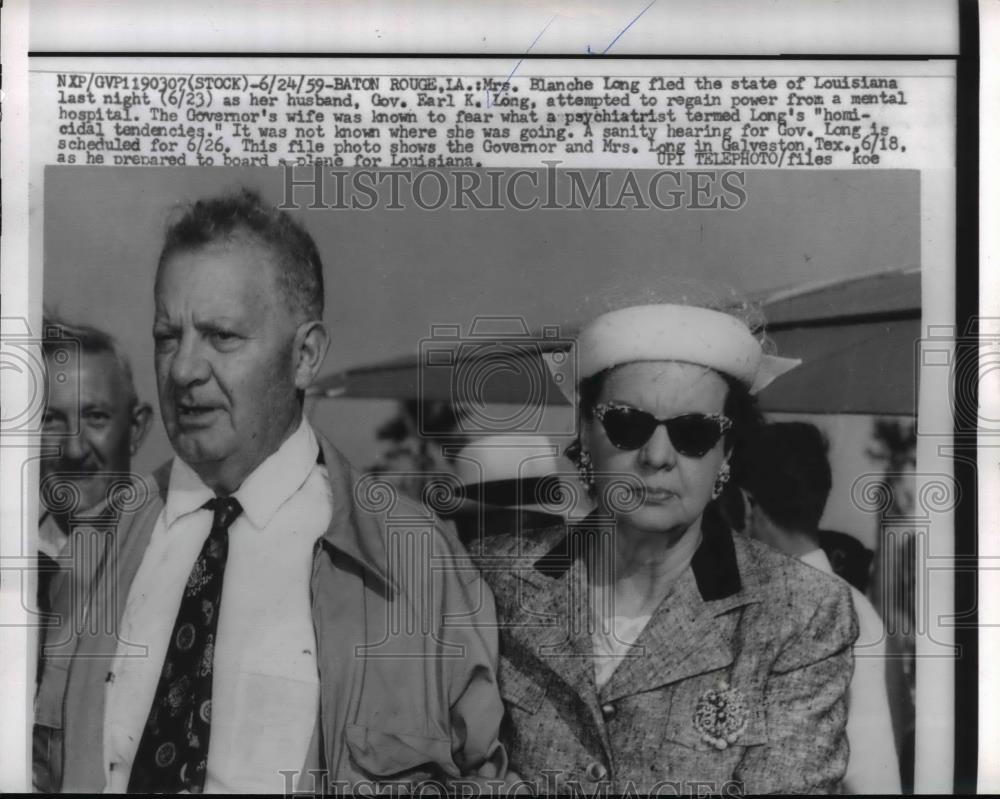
(646, 649)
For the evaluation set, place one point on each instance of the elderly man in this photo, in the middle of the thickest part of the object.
(351, 641)
(93, 425)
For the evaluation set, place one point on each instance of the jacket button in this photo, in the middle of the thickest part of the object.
(607, 710)
(596, 772)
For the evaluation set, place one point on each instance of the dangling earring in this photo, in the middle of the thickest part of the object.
(721, 480)
(586, 469)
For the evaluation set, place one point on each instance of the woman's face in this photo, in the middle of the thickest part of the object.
(677, 487)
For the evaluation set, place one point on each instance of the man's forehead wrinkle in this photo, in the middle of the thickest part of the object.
(265, 258)
(238, 299)
(254, 249)
(255, 254)
(96, 371)
(104, 388)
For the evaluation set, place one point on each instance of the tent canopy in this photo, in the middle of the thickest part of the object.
(858, 340)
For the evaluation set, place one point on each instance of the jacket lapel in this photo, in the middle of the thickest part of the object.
(550, 624)
(681, 640)
(549, 619)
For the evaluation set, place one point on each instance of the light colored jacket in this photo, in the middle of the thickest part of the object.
(406, 647)
(749, 642)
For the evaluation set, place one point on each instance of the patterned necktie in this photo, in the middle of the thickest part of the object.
(173, 752)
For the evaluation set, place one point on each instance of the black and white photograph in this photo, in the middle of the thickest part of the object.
(505, 426)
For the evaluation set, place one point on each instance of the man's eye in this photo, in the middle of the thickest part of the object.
(162, 337)
(224, 336)
(96, 417)
(52, 421)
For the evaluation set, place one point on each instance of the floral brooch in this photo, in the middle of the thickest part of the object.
(721, 715)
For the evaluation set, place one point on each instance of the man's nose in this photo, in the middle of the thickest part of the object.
(189, 364)
(75, 448)
(659, 452)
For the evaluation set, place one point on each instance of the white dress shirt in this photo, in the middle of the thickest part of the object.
(265, 690)
(873, 767)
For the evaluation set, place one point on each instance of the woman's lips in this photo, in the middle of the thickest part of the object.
(656, 495)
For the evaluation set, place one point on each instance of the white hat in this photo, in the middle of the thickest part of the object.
(673, 333)
(507, 461)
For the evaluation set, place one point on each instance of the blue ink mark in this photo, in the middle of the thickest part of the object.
(652, 3)
(489, 102)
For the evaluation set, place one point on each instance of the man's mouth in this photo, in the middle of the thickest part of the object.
(189, 413)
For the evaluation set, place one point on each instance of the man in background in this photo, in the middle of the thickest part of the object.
(288, 644)
(786, 473)
(513, 483)
(93, 425)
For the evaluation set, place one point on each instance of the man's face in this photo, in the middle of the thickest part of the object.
(105, 425)
(225, 360)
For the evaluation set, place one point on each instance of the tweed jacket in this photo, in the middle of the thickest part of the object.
(407, 654)
(746, 634)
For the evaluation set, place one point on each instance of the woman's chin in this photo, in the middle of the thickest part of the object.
(656, 518)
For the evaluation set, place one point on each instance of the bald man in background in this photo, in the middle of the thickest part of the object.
(93, 425)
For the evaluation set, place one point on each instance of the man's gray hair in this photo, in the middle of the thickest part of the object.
(244, 213)
(57, 333)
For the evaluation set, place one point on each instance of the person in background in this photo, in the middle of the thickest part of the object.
(786, 474)
(512, 482)
(646, 648)
(849, 558)
(413, 445)
(894, 579)
(92, 427)
(286, 646)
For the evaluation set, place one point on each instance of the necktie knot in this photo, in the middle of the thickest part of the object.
(225, 510)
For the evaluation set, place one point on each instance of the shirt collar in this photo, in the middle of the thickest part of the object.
(51, 537)
(264, 490)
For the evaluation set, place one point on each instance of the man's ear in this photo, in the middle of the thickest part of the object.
(139, 423)
(311, 343)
